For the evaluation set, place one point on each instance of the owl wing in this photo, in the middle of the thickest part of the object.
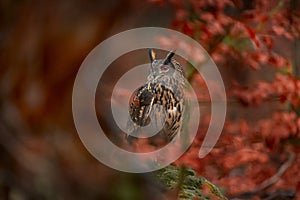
(140, 107)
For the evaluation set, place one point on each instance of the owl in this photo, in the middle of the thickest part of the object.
(161, 98)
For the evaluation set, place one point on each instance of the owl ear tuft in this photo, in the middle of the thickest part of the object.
(151, 55)
(169, 57)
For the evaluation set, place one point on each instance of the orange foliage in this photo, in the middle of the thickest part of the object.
(240, 34)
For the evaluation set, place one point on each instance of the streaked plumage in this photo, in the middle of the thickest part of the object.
(164, 86)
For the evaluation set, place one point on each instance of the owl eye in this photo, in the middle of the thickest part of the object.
(164, 67)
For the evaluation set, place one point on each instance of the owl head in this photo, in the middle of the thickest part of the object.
(167, 66)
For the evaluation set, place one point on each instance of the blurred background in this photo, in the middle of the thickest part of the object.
(43, 43)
